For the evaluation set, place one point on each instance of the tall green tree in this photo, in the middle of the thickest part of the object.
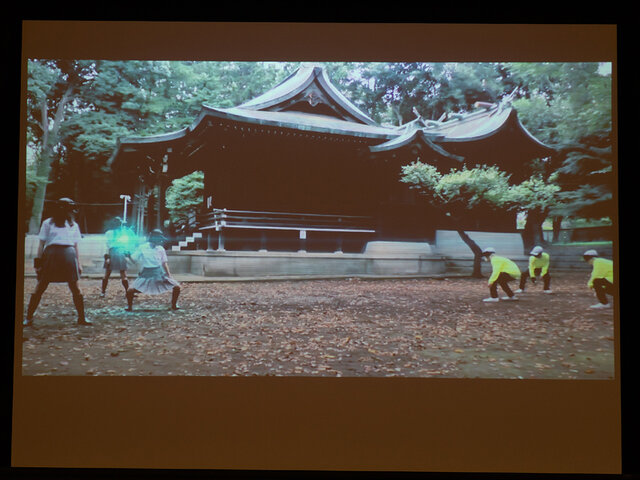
(569, 107)
(392, 93)
(184, 197)
(563, 102)
(113, 102)
(51, 90)
(588, 179)
(537, 196)
(480, 189)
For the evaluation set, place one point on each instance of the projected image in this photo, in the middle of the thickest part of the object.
(328, 219)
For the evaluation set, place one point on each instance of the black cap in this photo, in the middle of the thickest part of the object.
(157, 233)
(67, 204)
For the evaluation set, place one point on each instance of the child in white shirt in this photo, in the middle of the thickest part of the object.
(57, 259)
(155, 277)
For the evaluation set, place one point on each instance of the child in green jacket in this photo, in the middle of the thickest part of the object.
(538, 266)
(601, 279)
(503, 271)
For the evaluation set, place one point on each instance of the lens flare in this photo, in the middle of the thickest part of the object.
(127, 239)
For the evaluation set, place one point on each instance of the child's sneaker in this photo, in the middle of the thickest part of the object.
(547, 291)
(600, 306)
(518, 291)
(491, 299)
(509, 298)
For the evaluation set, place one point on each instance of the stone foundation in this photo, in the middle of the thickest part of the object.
(379, 259)
(275, 264)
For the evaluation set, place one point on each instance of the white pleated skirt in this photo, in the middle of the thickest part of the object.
(154, 281)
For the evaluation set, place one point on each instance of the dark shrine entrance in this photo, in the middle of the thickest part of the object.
(322, 184)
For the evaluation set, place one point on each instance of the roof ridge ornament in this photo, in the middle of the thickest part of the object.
(507, 100)
(426, 123)
(485, 105)
(313, 98)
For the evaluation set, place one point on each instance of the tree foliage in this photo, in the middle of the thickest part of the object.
(563, 102)
(569, 106)
(588, 179)
(480, 189)
(461, 189)
(184, 197)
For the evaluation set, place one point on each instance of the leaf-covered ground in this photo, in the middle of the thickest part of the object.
(348, 327)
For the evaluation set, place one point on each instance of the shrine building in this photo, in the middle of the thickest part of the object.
(300, 167)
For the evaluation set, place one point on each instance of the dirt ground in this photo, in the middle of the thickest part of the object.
(346, 327)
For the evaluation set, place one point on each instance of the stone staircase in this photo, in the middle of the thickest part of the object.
(188, 243)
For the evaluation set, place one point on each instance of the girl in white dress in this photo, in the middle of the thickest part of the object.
(155, 277)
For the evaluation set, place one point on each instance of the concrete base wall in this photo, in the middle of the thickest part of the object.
(379, 259)
(275, 264)
(450, 255)
(459, 258)
(449, 243)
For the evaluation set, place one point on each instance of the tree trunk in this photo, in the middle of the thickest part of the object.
(532, 234)
(477, 253)
(42, 174)
(557, 224)
(49, 140)
(398, 115)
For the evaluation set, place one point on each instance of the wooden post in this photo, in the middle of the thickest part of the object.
(141, 209)
(263, 241)
(220, 241)
(162, 172)
(339, 247)
(303, 241)
(160, 206)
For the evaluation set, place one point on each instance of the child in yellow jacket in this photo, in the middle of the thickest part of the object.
(538, 265)
(601, 279)
(503, 271)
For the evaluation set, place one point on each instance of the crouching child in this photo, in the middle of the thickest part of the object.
(601, 279)
(503, 271)
(538, 266)
(154, 278)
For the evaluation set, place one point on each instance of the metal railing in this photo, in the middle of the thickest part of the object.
(218, 219)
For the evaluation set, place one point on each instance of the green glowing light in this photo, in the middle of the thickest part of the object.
(127, 240)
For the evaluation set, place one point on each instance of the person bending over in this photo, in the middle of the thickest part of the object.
(601, 279)
(538, 266)
(503, 271)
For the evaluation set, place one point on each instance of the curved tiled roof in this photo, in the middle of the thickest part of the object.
(479, 125)
(310, 84)
(302, 121)
(291, 105)
(415, 136)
